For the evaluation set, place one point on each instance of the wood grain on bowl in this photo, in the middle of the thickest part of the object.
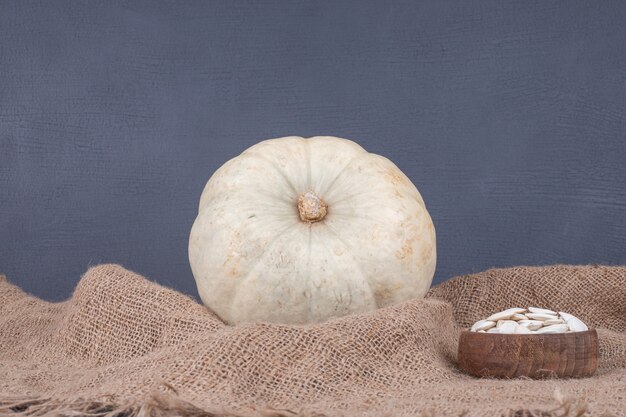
(561, 355)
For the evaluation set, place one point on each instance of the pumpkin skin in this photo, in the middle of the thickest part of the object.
(299, 230)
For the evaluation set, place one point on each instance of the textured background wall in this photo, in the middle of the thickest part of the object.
(508, 116)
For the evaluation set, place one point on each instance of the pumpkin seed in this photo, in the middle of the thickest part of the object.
(483, 325)
(555, 328)
(541, 311)
(576, 325)
(506, 314)
(540, 316)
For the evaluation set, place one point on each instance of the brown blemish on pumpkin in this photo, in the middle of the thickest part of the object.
(229, 258)
(394, 176)
(426, 253)
(382, 295)
(405, 250)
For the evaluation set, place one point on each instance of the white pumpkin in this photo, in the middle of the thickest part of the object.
(299, 230)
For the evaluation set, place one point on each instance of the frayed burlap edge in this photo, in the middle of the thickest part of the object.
(164, 405)
(156, 405)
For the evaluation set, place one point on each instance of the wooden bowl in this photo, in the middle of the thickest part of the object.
(559, 355)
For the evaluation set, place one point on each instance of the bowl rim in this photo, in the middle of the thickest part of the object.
(591, 331)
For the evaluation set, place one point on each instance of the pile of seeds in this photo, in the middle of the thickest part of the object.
(529, 321)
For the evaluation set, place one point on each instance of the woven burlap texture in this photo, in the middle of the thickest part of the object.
(121, 338)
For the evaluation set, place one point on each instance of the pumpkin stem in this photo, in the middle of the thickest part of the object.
(312, 208)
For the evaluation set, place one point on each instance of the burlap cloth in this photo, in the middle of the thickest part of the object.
(124, 346)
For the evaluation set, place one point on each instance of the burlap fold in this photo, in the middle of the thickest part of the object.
(125, 346)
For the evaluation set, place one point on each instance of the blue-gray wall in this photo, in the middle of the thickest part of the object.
(509, 116)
